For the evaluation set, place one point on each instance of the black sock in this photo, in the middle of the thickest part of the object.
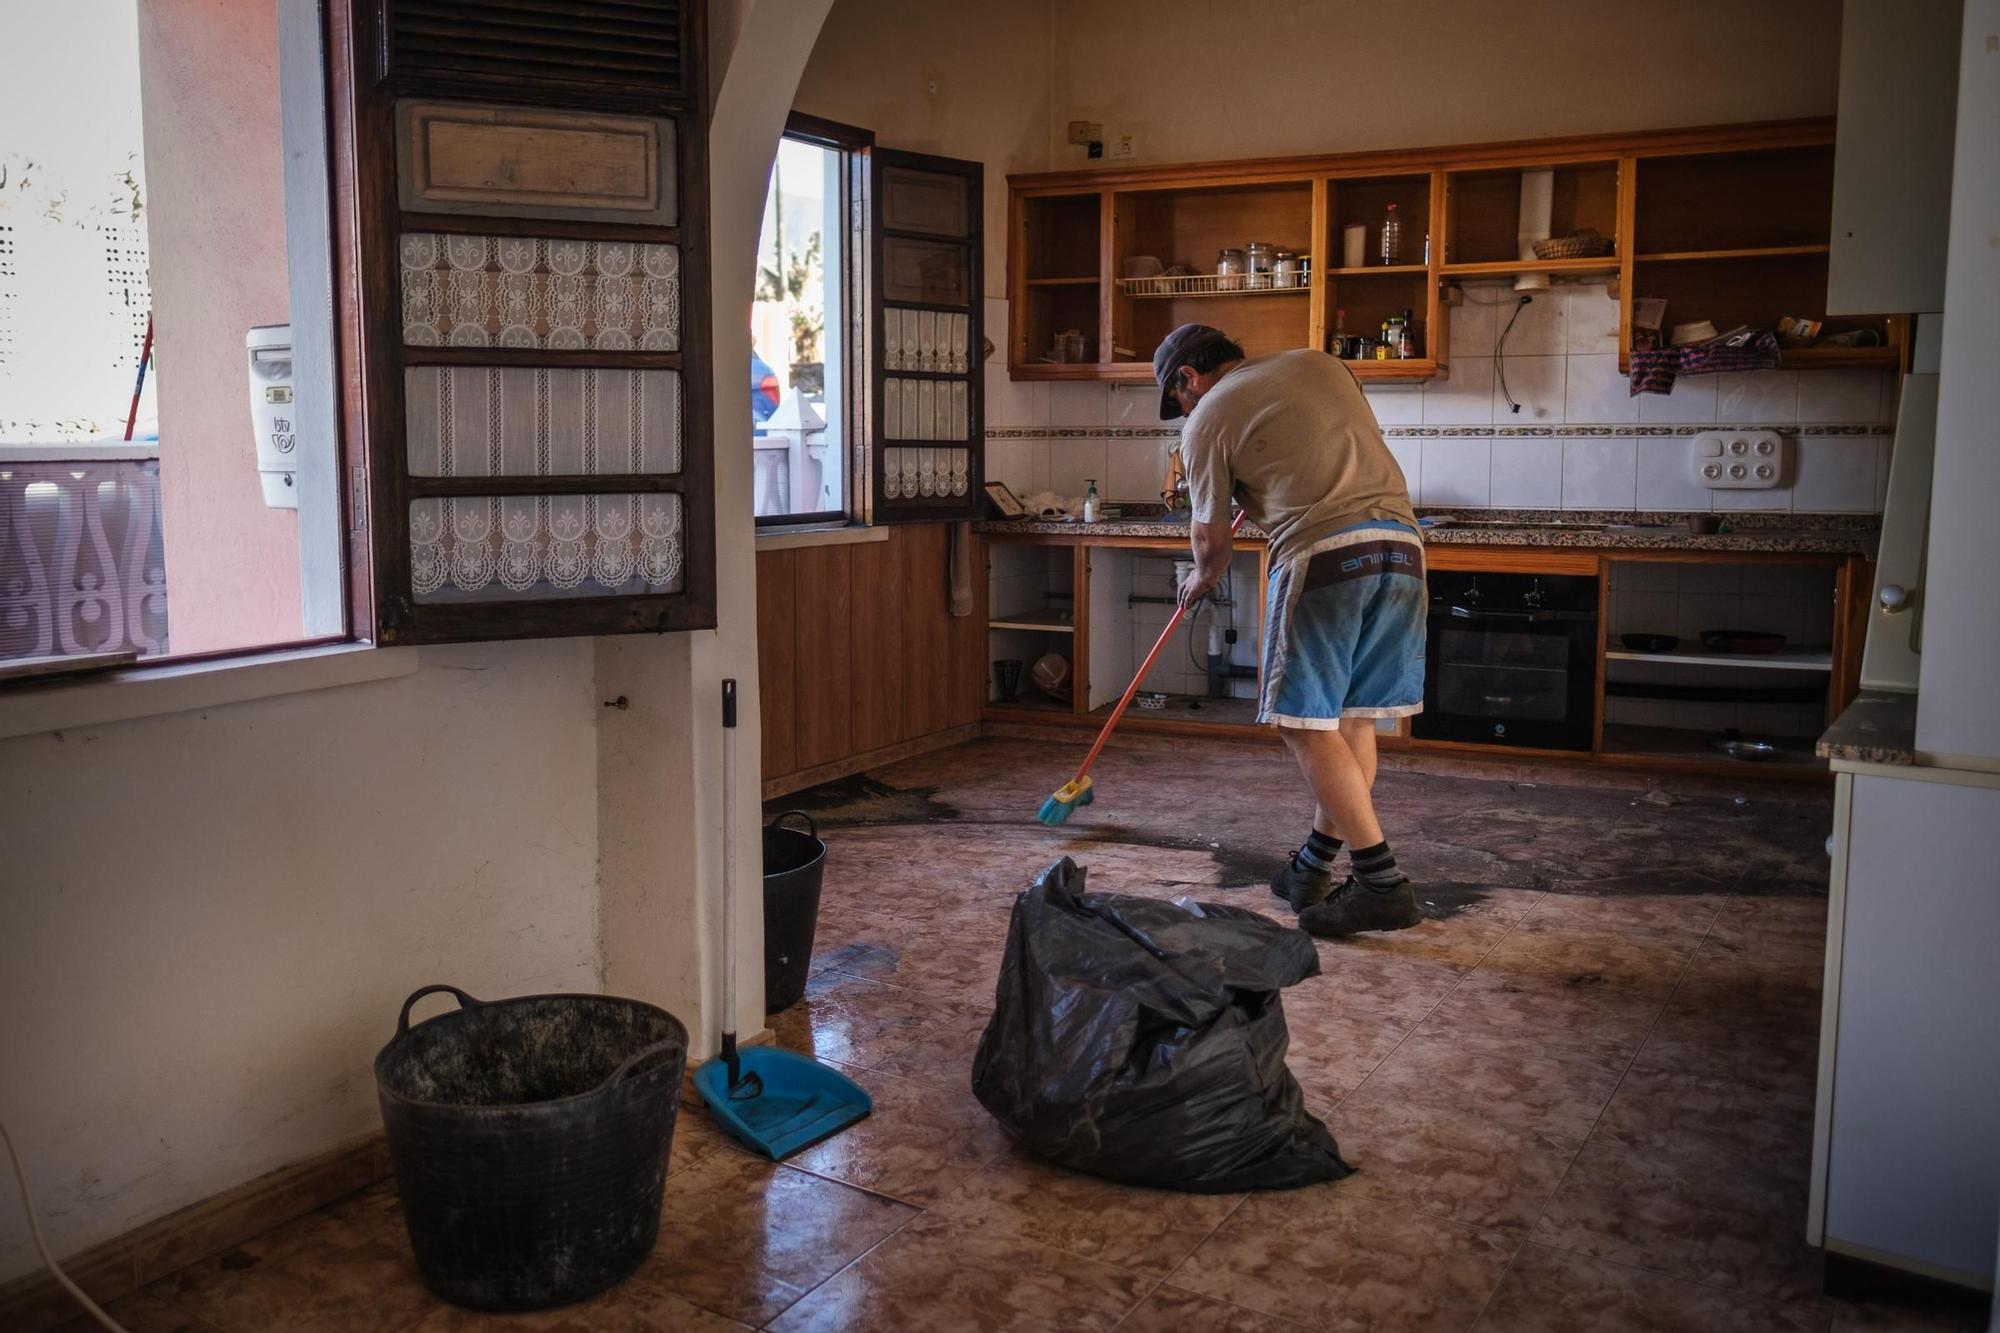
(1317, 854)
(1375, 867)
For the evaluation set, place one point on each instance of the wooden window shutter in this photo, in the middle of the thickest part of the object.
(927, 371)
(525, 252)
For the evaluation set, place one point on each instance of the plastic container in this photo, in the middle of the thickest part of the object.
(1392, 237)
(794, 867)
(1230, 267)
(530, 1140)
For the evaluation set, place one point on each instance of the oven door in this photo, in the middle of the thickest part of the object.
(1509, 677)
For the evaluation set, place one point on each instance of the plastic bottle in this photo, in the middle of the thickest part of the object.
(1392, 237)
(1090, 500)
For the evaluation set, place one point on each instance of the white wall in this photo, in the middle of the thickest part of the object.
(1194, 80)
(212, 918)
(1958, 716)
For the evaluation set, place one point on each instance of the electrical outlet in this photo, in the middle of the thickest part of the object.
(1737, 460)
(1084, 131)
(1122, 147)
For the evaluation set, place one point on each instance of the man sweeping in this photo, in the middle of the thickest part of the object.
(1290, 436)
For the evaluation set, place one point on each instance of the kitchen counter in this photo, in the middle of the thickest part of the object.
(1781, 534)
(1879, 727)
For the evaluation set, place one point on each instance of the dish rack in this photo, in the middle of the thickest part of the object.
(1215, 284)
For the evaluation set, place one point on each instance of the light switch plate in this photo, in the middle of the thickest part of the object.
(1738, 460)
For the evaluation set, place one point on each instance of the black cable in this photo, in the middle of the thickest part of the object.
(1500, 357)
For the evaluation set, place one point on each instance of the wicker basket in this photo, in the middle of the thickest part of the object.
(1585, 244)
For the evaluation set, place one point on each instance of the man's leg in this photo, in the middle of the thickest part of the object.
(1339, 780)
(1340, 768)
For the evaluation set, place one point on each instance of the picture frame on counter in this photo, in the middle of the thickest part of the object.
(1005, 500)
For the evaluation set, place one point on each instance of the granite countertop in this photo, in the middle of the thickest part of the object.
(1795, 534)
(1879, 727)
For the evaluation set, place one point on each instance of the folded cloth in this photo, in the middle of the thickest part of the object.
(1654, 371)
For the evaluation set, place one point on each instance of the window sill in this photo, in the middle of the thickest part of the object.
(841, 534)
(120, 696)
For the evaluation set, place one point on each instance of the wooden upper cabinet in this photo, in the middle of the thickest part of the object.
(1728, 224)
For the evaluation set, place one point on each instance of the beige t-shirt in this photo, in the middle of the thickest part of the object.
(1292, 436)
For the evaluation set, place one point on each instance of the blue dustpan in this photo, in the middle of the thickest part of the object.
(777, 1102)
(772, 1101)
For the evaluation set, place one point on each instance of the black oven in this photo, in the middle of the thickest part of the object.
(1511, 659)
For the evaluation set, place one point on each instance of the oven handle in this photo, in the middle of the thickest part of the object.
(1469, 613)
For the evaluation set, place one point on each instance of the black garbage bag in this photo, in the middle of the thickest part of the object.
(1144, 1041)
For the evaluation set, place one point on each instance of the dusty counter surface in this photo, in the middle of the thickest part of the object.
(1770, 534)
(1879, 727)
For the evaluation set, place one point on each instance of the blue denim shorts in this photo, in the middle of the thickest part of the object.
(1344, 629)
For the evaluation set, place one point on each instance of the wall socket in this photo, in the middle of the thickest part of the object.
(1122, 146)
(1738, 460)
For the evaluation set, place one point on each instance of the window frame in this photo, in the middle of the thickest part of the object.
(365, 87)
(856, 146)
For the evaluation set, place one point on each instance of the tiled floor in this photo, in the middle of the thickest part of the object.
(1580, 1096)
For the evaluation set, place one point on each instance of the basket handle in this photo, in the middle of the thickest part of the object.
(464, 1002)
(638, 1057)
(812, 825)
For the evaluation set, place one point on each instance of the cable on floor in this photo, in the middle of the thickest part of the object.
(90, 1307)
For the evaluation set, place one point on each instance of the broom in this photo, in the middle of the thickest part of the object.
(1078, 790)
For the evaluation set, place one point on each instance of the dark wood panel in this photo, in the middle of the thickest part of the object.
(926, 635)
(875, 677)
(777, 664)
(969, 644)
(822, 636)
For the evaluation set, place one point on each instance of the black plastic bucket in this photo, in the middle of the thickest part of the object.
(530, 1141)
(793, 865)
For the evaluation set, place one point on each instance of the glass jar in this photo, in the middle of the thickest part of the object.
(1261, 258)
(1285, 269)
(1230, 266)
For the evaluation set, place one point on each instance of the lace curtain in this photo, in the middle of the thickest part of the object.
(489, 548)
(491, 421)
(520, 291)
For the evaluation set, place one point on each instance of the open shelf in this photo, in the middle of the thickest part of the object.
(1191, 708)
(1504, 267)
(1688, 744)
(1750, 252)
(1840, 358)
(1090, 281)
(1821, 661)
(1033, 701)
(1050, 619)
(1758, 200)
(1483, 216)
(1416, 368)
(1379, 271)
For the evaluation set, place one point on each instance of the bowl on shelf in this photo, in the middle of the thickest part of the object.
(1650, 643)
(1703, 525)
(1742, 641)
(1738, 746)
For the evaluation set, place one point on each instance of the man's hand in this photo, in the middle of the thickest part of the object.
(1212, 543)
(1194, 587)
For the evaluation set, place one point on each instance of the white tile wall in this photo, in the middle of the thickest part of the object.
(1561, 365)
(1527, 473)
(1599, 472)
(1457, 471)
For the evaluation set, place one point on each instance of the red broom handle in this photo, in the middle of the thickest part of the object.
(139, 385)
(1131, 690)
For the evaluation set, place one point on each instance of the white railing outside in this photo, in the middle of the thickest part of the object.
(82, 562)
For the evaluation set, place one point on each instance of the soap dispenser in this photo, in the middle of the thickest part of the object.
(1090, 500)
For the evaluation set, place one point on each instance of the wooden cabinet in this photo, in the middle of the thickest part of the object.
(1729, 225)
(1084, 598)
